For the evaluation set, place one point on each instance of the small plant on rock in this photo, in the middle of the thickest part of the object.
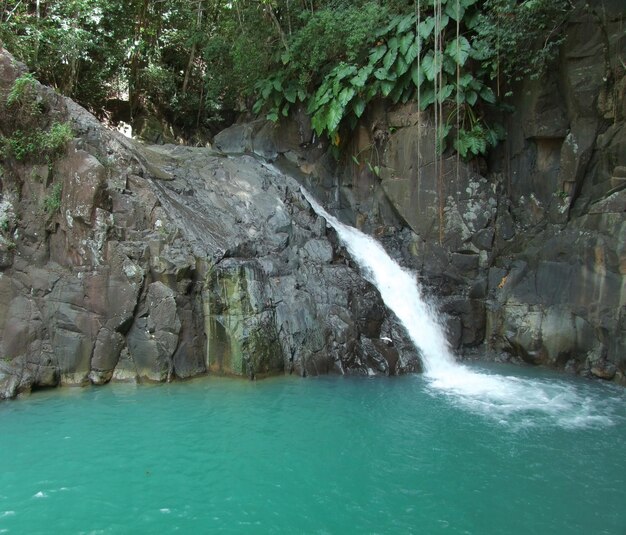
(53, 201)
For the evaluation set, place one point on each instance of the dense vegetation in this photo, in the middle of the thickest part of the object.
(196, 63)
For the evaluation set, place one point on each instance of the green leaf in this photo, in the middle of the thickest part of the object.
(412, 51)
(390, 57)
(266, 91)
(334, 116)
(405, 42)
(258, 105)
(426, 27)
(401, 66)
(449, 65)
(377, 53)
(396, 93)
(459, 50)
(427, 97)
(455, 10)
(286, 110)
(358, 106)
(343, 70)
(461, 144)
(430, 65)
(386, 87)
(361, 77)
(406, 23)
(277, 84)
(445, 92)
(346, 96)
(272, 116)
(318, 122)
(392, 25)
(465, 79)
(383, 74)
(322, 97)
(417, 75)
(487, 94)
(471, 97)
(291, 94)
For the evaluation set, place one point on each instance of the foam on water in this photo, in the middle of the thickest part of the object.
(503, 398)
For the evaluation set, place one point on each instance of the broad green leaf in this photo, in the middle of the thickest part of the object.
(426, 27)
(390, 57)
(272, 116)
(291, 94)
(358, 106)
(318, 122)
(465, 79)
(361, 77)
(461, 145)
(392, 25)
(396, 93)
(459, 50)
(266, 91)
(333, 118)
(471, 97)
(386, 87)
(382, 74)
(417, 75)
(286, 110)
(445, 92)
(427, 97)
(345, 96)
(405, 42)
(430, 65)
(401, 66)
(406, 23)
(372, 90)
(412, 51)
(455, 9)
(487, 94)
(449, 65)
(377, 53)
(343, 70)
(277, 84)
(257, 106)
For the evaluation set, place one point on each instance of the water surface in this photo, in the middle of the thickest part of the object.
(324, 455)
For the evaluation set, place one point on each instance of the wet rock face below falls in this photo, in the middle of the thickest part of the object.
(168, 262)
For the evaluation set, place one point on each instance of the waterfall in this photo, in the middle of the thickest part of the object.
(497, 396)
(400, 292)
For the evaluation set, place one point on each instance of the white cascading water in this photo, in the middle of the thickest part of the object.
(495, 395)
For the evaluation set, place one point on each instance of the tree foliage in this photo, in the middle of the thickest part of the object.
(197, 62)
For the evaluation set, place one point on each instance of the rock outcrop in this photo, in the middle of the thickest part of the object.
(526, 252)
(162, 262)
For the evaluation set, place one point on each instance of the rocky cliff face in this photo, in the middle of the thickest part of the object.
(167, 262)
(526, 253)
